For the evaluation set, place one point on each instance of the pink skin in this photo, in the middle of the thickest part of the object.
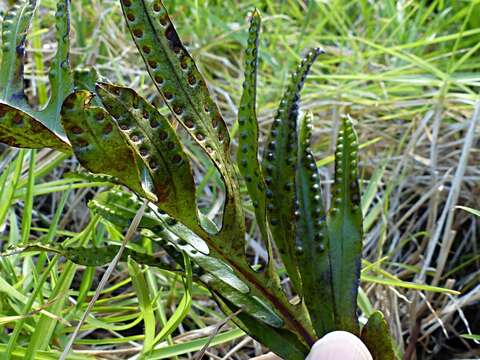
(337, 345)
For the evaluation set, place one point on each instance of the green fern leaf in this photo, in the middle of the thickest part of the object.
(312, 238)
(156, 142)
(175, 74)
(16, 23)
(186, 94)
(376, 336)
(345, 230)
(97, 142)
(279, 340)
(20, 125)
(279, 164)
(91, 256)
(247, 154)
(60, 76)
(20, 129)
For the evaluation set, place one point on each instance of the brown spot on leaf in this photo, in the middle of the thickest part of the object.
(108, 129)
(76, 130)
(162, 135)
(17, 118)
(99, 116)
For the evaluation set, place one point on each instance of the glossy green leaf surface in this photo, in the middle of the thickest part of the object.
(252, 305)
(279, 164)
(225, 279)
(119, 208)
(97, 142)
(282, 342)
(311, 237)
(376, 337)
(247, 154)
(345, 230)
(156, 142)
(212, 265)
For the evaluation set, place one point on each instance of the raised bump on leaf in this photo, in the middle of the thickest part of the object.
(156, 142)
(311, 242)
(376, 336)
(279, 165)
(91, 177)
(247, 153)
(98, 144)
(344, 221)
(20, 129)
(175, 74)
(14, 33)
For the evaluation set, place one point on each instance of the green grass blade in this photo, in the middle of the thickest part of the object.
(183, 306)
(471, 337)
(168, 352)
(28, 305)
(11, 177)
(145, 303)
(45, 326)
(28, 202)
(406, 284)
(470, 210)
(20, 353)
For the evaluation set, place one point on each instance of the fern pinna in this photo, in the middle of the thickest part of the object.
(114, 131)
